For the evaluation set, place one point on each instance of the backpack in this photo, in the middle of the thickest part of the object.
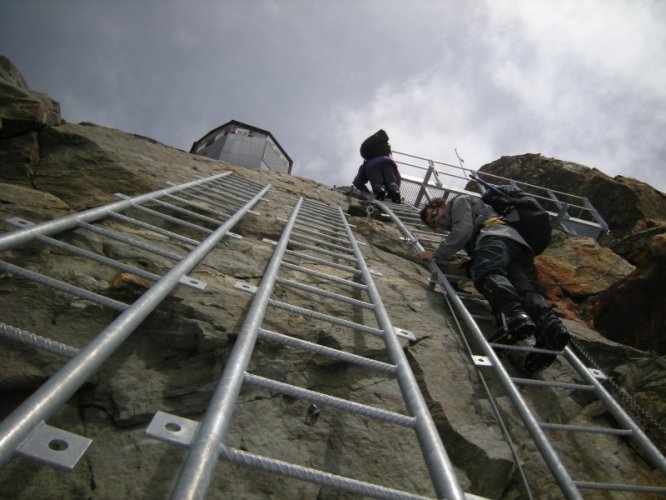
(376, 145)
(523, 212)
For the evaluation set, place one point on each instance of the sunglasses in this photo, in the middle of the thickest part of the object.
(433, 213)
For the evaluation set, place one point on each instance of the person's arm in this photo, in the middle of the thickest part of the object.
(462, 229)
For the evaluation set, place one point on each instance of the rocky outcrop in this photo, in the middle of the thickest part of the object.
(626, 204)
(173, 361)
(632, 310)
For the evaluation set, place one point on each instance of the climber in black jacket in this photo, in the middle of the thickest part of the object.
(501, 260)
(378, 168)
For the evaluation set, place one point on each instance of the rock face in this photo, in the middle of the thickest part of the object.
(632, 310)
(173, 361)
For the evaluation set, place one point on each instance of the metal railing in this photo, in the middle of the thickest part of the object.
(424, 179)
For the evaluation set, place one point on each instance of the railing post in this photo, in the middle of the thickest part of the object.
(426, 179)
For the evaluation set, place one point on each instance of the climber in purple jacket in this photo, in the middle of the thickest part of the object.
(378, 168)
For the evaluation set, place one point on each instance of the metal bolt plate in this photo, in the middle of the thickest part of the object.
(400, 332)
(54, 446)
(246, 287)
(172, 429)
(481, 360)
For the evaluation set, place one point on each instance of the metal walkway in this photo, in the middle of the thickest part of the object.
(207, 208)
(424, 179)
(315, 235)
(487, 357)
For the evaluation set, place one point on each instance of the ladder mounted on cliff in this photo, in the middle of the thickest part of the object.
(487, 357)
(315, 235)
(209, 207)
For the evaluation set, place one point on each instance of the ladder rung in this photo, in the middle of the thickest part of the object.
(325, 317)
(321, 233)
(151, 227)
(332, 246)
(325, 399)
(185, 211)
(322, 251)
(114, 235)
(546, 383)
(524, 348)
(324, 293)
(64, 287)
(169, 218)
(317, 260)
(620, 487)
(320, 230)
(34, 340)
(322, 225)
(197, 206)
(354, 486)
(588, 429)
(325, 276)
(327, 351)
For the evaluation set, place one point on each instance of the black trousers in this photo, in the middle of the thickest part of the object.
(382, 175)
(501, 273)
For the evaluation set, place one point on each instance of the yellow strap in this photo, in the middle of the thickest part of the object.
(491, 221)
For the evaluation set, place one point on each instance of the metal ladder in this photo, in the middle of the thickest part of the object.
(323, 237)
(217, 203)
(589, 379)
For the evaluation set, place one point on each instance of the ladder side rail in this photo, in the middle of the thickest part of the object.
(62, 385)
(195, 476)
(546, 449)
(651, 452)
(442, 472)
(48, 228)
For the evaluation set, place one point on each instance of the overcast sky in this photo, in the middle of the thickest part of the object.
(578, 80)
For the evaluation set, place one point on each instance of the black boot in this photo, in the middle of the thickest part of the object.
(514, 324)
(394, 193)
(552, 335)
(380, 192)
